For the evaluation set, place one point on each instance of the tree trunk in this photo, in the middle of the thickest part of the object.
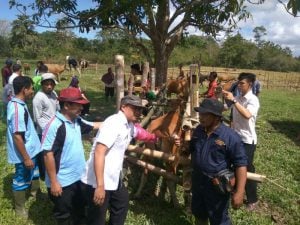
(161, 66)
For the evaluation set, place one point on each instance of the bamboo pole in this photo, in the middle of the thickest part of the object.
(147, 119)
(152, 168)
(158, 154)
(119, 68)
(146, 70)
(152, 79)
(255, 177)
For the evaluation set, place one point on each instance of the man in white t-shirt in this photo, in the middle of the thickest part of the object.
(244, 114)
(102, 177)
(17, 71)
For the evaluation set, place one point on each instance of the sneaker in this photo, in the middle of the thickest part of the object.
(251, 206)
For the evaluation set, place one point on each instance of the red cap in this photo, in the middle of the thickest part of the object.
(72, 95)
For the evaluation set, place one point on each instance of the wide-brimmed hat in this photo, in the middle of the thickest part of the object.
(72, 95)
(49, 76)
(132, 100)
(210, 105)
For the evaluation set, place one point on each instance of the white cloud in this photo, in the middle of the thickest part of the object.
(282, 28)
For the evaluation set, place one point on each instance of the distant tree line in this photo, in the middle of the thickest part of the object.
(22, 41)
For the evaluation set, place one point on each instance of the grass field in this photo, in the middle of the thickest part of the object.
(277, 157)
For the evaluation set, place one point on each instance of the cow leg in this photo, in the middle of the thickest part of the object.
(79, 71)
(187, 186)
(172, 190)
(143, 181)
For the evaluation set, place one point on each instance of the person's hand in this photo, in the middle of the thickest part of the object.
(28, 163)
(99, 195)
(177, 140)
(228, 95)
(56, 189)
(237, 199)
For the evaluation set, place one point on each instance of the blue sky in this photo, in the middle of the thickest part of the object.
(282, 28)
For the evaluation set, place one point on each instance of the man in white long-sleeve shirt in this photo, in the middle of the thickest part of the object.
(45, 105)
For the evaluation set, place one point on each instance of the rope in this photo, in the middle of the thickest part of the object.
(284, 188)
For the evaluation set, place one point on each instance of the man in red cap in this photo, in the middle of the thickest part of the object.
(64, 156)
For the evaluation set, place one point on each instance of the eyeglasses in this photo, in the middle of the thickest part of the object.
(136, 109)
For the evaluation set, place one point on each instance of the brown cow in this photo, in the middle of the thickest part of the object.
(83, 64)
(226, 77)
(56, 69)
(26, 68)
(178, 87)
(165, 127)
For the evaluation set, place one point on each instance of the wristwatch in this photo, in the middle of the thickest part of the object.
(234, 101)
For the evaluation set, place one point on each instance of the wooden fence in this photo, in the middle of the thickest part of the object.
(268, 79)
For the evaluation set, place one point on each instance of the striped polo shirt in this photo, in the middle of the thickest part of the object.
(19, 121)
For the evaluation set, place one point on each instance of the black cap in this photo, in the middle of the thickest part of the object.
(210, 105)
(132, 100)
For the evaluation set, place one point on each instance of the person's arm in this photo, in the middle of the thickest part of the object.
(241, 109)
(143, 135)
(99, 162)
(55, 187)
(97, 125)
(20, 146)
(37, 112)
(241, 178)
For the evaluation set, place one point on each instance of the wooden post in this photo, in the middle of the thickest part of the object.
(268, 80)
(145, 74)
(119, 71)
(193, 90)
(152, 79)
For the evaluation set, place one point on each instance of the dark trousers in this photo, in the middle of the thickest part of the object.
(116, 201)
(207, 202)
(69, 208)
(251, 186)
(40, 162)
(109, 91)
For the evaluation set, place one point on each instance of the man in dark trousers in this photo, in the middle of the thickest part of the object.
(109, 81)
(216, 150)
(64, 157)
(244, 113)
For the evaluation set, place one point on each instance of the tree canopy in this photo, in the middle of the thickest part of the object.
(164, 22)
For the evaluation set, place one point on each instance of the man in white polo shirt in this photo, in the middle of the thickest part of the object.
(245, 109)
(104, 187)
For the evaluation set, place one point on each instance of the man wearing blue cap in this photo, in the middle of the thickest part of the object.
(216, 151)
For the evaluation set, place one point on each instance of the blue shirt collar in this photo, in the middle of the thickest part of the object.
(60, 116)
(14, 99)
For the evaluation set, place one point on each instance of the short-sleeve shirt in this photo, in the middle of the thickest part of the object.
(63, 137)
(221, 150)
(211, 89)
(44, 108)
(115, 133)
(246, 127)
(19, 121)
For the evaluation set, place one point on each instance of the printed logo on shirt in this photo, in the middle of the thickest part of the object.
(219, 142)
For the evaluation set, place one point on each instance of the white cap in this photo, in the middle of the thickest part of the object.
(49, 76)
